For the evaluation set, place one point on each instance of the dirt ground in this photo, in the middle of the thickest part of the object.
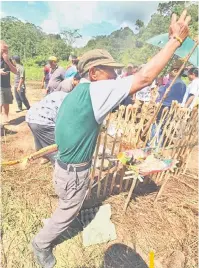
(169, 228)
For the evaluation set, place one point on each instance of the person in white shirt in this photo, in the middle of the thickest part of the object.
(192, 94)
(144, 95)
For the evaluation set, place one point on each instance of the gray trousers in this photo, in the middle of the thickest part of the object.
(21, 98)
(43, 136)
(71, 188)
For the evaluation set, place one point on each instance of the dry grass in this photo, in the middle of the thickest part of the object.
(28, 197)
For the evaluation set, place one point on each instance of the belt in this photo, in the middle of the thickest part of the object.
(74, 167)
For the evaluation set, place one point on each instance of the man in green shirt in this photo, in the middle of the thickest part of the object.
(77, 127)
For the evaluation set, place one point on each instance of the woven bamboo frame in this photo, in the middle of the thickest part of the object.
(179, 134)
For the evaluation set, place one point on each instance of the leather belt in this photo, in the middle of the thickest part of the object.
(74, 167)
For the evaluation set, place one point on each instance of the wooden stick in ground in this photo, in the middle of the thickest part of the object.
(113, 178)
(167, 91)
(103, 157)
(94, 163)
(130, 194)
(166, 178)
(109, 165)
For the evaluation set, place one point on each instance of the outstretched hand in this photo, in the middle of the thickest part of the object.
(179, 29)
(2, 72)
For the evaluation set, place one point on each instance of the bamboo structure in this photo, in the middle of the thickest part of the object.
(175, 136)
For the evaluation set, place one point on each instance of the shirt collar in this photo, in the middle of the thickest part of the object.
(84, 80)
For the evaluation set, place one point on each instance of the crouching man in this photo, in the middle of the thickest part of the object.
(41, 119)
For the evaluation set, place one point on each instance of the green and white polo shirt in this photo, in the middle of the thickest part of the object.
(81, 115)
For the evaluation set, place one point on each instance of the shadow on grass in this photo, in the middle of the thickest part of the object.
(17, 121)
(119, 255)
(5, 132)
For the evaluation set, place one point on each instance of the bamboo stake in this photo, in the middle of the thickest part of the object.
(94, 163)
(130, 194)
(103, 156)
(184, 142)
(122, 172)
(167, 91)
(114, 177)
(109, 166)
(166, 178)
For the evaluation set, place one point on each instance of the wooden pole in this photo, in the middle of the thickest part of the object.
(103, 157)
(130, 194)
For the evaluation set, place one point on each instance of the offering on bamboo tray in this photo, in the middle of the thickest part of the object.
(144, 162)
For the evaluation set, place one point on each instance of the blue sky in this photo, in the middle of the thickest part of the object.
(92, 18)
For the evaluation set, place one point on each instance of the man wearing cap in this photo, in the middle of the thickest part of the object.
(57, 74)
(91, 101)
(19, 84)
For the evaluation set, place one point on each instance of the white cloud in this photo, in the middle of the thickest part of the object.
(72, 14)
(127, 11)
(77, 15)
(51, 24)
(2, 14)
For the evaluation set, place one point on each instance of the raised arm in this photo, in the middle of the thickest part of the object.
(178, 32)
(5, 56)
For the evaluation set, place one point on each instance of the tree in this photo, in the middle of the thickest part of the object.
(139, 24)
(70, 36)
(166, 8)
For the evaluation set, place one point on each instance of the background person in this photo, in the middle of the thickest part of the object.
(176, 92)
(19, 85)
(72, 70)
(46, 77)
(57, 74)
(69, 83)
(144, 95)
(6, 97)
(129, 70)
(192, 93)
(135, 69)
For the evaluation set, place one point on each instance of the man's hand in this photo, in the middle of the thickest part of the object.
(5, 56)
(18, 89)
(179, 28)
(2, 72)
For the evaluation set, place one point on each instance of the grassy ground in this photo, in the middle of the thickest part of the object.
(169, 228)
